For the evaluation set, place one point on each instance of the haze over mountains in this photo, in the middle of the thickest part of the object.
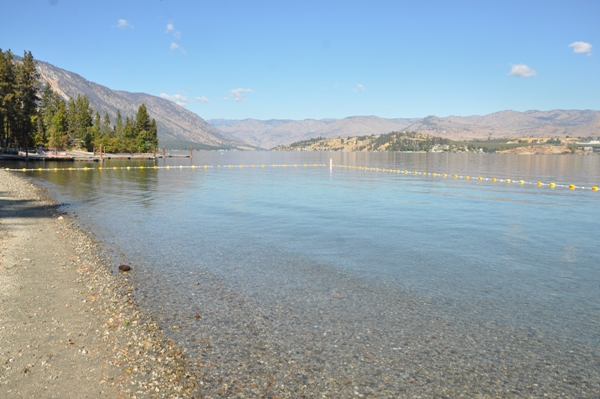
(177, 124)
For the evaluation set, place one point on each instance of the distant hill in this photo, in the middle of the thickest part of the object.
(504, 124)
(274, 132)
(175, 123)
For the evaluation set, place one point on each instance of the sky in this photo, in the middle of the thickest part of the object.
(238, 59)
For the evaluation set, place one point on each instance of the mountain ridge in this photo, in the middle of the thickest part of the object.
(174, 122)
(502, 124)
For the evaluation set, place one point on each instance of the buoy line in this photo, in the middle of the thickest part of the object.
(466, 177)
(225, 166)
(357, 167)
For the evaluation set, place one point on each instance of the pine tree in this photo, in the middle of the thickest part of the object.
(57, 132)
(7, 97)
(119, 125)
(105, 128)
(27, 83)
(153, 134)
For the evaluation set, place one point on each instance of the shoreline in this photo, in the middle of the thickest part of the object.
(69, 325)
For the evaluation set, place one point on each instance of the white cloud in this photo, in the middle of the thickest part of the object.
(176, 98)
(182, 99)
(176, 36)
(581, 47)
(238, 95)
(123, 24)
(175, 46)
(522, 71)
(359, 88)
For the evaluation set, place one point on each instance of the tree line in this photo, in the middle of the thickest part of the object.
(31, 115)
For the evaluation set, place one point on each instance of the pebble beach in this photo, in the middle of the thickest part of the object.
(69, 327)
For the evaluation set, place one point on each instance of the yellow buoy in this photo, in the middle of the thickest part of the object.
(595, 188)
(433, 174)
(155, 167)
(552, 185)
(480, 178)
(40, 169)
(494, 179)
(508, 180)
(70, 168)
(521, 181)
(467, 177)
(456, 176)
(55, 169)
(444, 175)
(24, 169)
(572, 186)
(539, 183)
(114, 167)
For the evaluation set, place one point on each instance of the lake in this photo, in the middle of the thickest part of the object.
(311, 282)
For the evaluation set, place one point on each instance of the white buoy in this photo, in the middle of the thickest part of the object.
(330, 165)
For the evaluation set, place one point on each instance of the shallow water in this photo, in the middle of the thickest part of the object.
(349, 282)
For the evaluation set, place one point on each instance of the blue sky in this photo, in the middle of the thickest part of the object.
(323, 59)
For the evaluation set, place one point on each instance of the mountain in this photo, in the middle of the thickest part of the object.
(504, 124)
(175, 123)
(274, 132)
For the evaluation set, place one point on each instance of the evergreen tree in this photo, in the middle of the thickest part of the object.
(8, 101)
(7, 95)
(142, 120)
(153, 134)
(57, 132)
(27, 83)
(119, 125)
(105, 128)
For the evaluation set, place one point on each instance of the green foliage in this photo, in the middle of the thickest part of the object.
(29, 116)
(19, 82)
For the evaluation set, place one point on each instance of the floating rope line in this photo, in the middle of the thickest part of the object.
(228, 166)
(305, 165)
(467, 177)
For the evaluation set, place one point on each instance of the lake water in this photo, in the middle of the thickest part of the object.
(310, 282)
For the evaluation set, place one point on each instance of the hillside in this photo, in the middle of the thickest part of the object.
(504, 124)
(175, 123)
(274, 132)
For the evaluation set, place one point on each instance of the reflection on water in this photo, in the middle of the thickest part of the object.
(377, 265)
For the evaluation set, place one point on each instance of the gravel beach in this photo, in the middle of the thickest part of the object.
(69, 327)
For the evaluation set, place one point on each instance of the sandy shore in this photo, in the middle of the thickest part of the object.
(69, 327)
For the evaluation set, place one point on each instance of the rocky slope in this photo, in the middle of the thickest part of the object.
(174, 122)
